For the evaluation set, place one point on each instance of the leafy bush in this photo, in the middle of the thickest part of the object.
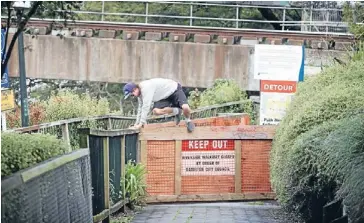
(61, 106)
(342, 158)
(306, 188)
(36, 116)
(330, 96)
(134, 184)
(66, 105)
(20, 151)
(223, 91)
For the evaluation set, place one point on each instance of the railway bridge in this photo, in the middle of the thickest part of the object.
(119, 51)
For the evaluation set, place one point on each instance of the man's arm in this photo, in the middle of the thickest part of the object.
(147, 102)
(140, 104)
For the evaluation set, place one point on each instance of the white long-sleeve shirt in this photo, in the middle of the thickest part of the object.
(153, 90)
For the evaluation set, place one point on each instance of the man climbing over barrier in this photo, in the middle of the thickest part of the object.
(168, 98)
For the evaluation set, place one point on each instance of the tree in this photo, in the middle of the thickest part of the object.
(41, 9)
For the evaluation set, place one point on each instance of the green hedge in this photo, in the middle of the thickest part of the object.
(319, 105)
(342, 158)
(20, 151)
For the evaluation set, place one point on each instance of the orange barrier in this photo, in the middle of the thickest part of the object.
(220, 160)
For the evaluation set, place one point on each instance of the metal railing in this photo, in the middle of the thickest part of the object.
(318, 20)
(215, 15)
(68, 130)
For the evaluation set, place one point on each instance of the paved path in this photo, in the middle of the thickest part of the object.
(229, 212)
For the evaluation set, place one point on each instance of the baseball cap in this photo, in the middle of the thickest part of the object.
(128, 89)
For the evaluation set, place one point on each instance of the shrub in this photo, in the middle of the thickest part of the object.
(306, 188)
(20, 151)
(67, 105)
(326, 163)
(223, 91)
(343, 160)
(330, 96)
(36, 115)
(134, 183)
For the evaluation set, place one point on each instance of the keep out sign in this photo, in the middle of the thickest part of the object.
(208, 157)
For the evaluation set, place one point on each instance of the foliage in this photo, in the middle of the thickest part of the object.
(36, 115)
(307, 190)
(342, 159)
(354, 14)
(223, 91)
(325, 163)
(20, 151)
(331, 96)
(134, 182)
(61, 106)
(184, 10)
(67, 105)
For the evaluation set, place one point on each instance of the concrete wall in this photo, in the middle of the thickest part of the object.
(113, 60)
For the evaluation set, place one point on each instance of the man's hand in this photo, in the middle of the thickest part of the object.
(138, 126)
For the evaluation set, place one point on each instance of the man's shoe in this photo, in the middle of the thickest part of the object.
(177, 118)
(190, 126)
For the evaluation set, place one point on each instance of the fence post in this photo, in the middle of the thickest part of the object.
(146, 12)
(143, 152)
(106, 177)
(109, 124)
(66, 135)
(177, 171)
(123, 157)
(284, 17)
(237, 17)
(191, 12)
(84, 137)
(103, 10)
(237, 146)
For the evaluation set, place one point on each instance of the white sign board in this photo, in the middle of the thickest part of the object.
(208, 157)
(278, 62)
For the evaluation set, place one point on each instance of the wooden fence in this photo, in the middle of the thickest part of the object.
(110, 150)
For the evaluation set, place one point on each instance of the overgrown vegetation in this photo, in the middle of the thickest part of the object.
(20, 151)
(317, 153)
(133, 186)
(68, 105)
(61, 106)
(134, 183)
(223, 91)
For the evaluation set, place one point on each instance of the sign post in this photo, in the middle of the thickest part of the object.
(279, 68)
(5, 78)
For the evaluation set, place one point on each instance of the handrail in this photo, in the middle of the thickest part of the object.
(196, 28)
(113, 116)
(323, 19)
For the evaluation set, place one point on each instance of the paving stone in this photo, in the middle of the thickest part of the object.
(208, 213)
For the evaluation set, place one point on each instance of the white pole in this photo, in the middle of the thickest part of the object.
(3, 121)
